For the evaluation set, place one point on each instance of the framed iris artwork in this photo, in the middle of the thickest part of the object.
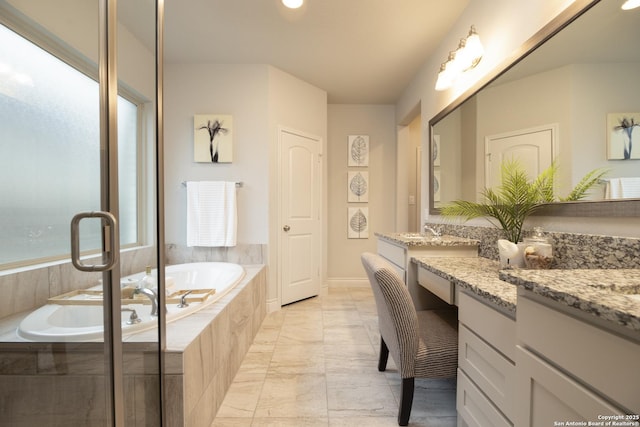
(213, 138)
(623, 129)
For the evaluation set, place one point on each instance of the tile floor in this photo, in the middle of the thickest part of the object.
(314, 363)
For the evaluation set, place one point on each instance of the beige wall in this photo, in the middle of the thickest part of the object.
(411, 167)
(296, 105)
(242, 92)
(503, 26)
(260, 98)
(377, 121)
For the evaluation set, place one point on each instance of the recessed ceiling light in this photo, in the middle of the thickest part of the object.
(630, 4)
(292, 4)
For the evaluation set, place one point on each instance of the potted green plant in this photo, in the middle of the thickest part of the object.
(508, 205)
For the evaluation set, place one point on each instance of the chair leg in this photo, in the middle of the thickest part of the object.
(406, 400)
(384, 356)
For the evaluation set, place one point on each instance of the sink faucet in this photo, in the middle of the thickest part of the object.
(153, 297)
(433, 231)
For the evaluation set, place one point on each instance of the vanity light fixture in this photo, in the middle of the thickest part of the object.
(466, 57)
(630, 4)
(292, 4)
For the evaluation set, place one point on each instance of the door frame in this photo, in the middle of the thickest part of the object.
(553, 128)
(279, 198)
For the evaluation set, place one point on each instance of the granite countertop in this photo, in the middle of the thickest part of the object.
(611, 294)
(476, 274)
(423, 239)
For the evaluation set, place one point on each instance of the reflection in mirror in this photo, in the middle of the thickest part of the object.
(566, 101)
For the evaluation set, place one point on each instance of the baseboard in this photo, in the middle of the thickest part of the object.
(347, 282)
(273, 305)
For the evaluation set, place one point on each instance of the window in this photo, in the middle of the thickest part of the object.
(50, 154)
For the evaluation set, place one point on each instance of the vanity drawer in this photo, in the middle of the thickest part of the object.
(393, 253)
(474, 408)
(442, 288)
(490, 371)
(494, 327)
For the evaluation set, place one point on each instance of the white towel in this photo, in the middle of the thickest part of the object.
(211, 213)
(623, 188)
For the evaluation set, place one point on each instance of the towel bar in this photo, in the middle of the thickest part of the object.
(239, 184)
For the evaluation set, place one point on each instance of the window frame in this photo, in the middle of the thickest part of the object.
(53, 45)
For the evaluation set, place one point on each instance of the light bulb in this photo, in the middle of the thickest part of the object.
(630, 4)
(292, 4)
(445, 77)
(474, 47)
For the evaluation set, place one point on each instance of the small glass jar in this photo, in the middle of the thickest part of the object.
(538, 251)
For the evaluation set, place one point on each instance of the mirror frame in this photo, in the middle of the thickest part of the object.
(613, 208)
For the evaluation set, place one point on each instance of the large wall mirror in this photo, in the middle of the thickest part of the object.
(568, 87)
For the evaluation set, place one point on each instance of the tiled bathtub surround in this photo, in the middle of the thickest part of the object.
(245, 254)
(28, 288)
(62, 384)
(570, 251)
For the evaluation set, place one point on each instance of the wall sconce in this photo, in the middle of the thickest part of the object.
(466, 57)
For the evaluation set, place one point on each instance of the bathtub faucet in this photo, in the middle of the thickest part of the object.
(153, 297)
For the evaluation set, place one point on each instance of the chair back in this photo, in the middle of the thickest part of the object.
(397, 318)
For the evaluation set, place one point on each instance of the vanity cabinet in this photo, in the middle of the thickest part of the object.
(570, 369)
(399, 251)
(486, 368)
(397, 255)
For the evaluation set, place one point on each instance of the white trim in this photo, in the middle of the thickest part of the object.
(320, 252)
(347, 282)
(273, 305)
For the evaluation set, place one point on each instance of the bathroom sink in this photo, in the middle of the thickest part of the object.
(418, 236)
(411, 235)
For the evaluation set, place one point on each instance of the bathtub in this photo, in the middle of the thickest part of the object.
(82, 320)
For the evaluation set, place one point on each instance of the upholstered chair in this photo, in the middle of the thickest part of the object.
(423, 344)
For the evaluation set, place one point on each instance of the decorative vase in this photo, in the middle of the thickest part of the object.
(510, 254)
(538, 251)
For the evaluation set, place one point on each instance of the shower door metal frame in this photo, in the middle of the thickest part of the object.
(109, 203)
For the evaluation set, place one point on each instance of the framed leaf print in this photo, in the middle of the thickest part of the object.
(358, 150)
(358, 223)
(436, 150)
(358, 187)
(436, 185)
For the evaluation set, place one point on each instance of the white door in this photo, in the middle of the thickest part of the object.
(300, 207)
(533, 148)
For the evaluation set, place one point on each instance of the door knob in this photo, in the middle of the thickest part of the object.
(286, 228)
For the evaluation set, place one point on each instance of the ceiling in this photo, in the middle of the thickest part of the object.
(359, 51)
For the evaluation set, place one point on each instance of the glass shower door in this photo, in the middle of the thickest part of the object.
(78, 182)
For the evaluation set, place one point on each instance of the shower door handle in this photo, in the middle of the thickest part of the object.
(109, 235)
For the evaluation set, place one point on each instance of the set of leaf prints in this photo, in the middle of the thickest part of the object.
(358, 187)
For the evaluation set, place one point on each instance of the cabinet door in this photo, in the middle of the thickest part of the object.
(546, 396)
(474, 408)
